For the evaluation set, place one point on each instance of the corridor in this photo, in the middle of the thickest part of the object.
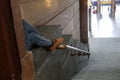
(104, 62)
(106, 27)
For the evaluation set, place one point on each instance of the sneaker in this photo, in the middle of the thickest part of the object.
(56, 43)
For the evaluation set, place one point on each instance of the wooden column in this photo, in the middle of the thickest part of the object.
(84, 21)
(98, 8)
(89, 15)
(113, 7)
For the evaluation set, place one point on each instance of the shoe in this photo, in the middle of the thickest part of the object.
(56, 43)
(61, 46)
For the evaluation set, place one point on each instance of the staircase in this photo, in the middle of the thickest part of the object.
(60, 64)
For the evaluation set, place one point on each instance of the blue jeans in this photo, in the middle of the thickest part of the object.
(33, 37)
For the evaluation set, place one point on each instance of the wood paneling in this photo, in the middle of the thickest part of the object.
(9, 58)
(19, 32)
(27, 67)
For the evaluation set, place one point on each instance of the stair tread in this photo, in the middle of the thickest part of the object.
(83, 46)
(67, 39)
(80, 45)
(75, 42)
(49, 31)
(45, 55)
(86, 48)
(40, 54)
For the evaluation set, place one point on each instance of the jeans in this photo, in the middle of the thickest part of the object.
(33, 37)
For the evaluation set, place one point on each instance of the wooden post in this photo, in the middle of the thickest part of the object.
(113, 7)
(84, 21)
(99, 8)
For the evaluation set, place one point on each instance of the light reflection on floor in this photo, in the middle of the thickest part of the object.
(106, 27)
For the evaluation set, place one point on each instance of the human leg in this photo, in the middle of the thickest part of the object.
(28, 28)
(33, 37)
(38, 41)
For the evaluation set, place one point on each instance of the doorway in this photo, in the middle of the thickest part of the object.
(106, 26)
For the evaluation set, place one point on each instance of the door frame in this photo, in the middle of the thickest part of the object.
(10, 65)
